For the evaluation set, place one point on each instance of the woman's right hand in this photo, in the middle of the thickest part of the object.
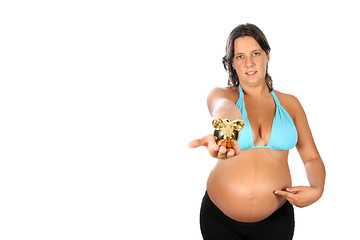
(214, 150)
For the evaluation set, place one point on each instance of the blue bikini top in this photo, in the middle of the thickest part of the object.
(283, 134)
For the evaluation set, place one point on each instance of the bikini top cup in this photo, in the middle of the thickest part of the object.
(283, 134)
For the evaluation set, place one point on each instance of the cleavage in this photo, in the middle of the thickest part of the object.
(261, 116)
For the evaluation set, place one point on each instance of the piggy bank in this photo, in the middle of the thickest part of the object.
(227, 132)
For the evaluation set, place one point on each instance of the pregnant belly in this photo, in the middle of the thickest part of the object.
(243, 187)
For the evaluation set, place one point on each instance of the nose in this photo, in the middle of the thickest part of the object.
(249, 62)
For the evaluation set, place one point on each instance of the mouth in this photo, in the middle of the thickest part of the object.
(251, 73)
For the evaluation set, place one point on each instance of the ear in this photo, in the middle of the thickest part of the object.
(233, 65)
(267, 56)
(238, 124)
(216, 122)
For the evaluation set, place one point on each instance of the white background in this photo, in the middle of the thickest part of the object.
(91, 91)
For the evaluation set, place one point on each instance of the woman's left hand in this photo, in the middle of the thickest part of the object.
(301, 196)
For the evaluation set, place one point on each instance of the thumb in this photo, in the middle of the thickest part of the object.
(196, 143)
(205, 141)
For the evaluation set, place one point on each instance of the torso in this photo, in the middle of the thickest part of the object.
(243, 187)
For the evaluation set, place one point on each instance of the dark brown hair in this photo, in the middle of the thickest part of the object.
(242, 31)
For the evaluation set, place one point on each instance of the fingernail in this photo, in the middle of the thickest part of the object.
(222, 150)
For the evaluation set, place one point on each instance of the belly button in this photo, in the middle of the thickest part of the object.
(251, 197)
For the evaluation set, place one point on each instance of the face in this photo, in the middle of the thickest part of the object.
(250, 61)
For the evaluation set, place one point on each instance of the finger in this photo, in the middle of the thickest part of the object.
(284, 194)
(289, 196)
(230, 153)
(291, 202)
(222, 152)
(294, 190)
(237, 149)
(281, 193)
(214, 151)
(204, 141)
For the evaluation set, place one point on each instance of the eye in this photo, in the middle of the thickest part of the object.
(240, 57)
(256, 54)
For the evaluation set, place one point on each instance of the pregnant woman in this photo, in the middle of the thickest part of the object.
(249, 192)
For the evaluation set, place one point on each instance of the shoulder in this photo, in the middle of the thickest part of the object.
(290, 103)
(286, 98)
(230, 93)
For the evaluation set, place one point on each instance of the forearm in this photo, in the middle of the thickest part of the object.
(315, 171)
(225, 109)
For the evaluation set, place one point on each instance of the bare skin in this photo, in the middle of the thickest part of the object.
(249, 185)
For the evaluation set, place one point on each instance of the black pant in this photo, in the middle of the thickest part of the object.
(215, 225)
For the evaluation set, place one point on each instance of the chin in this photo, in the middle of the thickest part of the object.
(253, 83)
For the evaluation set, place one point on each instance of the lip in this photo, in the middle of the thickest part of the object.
(251, 73)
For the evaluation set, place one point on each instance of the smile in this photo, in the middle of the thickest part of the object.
(250, 73)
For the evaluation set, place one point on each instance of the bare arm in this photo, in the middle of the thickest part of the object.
(303, 196)
(309, 154)
(221, 104)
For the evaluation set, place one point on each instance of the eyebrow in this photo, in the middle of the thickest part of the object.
(256, 50)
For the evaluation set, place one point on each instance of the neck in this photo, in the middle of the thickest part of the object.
(255, 91)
